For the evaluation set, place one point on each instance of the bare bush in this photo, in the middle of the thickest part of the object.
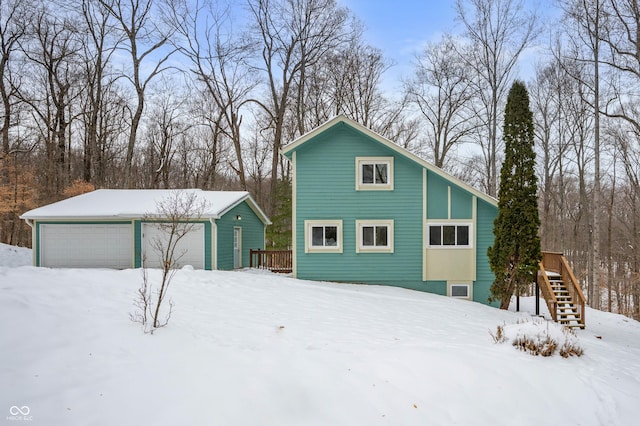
(538, 337)
(176, 216)
(498, 336)
(538, 345)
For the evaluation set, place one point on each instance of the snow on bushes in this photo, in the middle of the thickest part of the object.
(539, 337)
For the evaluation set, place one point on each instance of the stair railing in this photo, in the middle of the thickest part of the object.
(573, 287)
(547, 292)
(556, 262)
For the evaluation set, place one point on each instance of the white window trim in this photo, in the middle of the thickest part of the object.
(360, 248)
(374, 186)
(454, 247)
(308, 248)
(461, 284)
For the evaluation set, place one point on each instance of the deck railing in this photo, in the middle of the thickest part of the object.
(556, 262)
(280, 261)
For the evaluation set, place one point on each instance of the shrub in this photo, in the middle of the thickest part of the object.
(539, 337)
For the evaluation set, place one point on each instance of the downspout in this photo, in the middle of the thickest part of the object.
(214, 231)
(33, 241)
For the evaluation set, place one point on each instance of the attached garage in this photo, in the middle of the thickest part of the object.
(86, 245)
(119, 229)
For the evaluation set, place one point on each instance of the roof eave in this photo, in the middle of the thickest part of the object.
(114, 218)
(252, 205)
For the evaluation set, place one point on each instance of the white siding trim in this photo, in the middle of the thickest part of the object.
(424, 225)
(294, 218)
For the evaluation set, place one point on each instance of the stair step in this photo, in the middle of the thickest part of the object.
(574, 325)
(565, 317)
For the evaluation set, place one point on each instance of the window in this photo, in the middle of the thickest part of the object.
(450, 235)
(375, 236)
(323, 236)
(459, 291)
(374, 173)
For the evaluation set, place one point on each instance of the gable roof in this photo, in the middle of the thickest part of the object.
(139, 203)
(289, 148)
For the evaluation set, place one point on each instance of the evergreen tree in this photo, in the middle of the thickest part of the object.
(279, 232)
(516, 250)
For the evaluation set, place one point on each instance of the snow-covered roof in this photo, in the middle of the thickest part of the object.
(138, 203)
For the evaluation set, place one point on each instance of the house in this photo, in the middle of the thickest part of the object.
(365, 210)
(118, 228)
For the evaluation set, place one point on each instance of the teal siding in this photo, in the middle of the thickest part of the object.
(252, 235)
(137, 243)
(461, 204)
(484, 276)
(437, 197)
(437, 287)
(37, 244)
(325, 172)
(207, 246)
(326, 179)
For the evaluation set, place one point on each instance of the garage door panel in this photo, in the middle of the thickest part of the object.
(86, 246)
(189, 250)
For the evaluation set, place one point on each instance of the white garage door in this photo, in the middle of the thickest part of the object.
(86, 246)
(189, 250)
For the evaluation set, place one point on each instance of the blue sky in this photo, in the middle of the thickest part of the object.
(401, 27)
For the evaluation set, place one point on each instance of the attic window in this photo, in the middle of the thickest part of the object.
(374, 173)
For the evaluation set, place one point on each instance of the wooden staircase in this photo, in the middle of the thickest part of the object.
(561, 290)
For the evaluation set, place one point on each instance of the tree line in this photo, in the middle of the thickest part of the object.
(204, 93)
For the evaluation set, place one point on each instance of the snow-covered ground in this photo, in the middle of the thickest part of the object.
(13, 256)
(251, 348)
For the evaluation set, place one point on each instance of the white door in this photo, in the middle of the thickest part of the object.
(86, 246)
(188, 251)
(237, 248)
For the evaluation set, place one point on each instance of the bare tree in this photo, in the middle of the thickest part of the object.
(97, 51)
(219, 63)
(53, 54)
(587, 22)
(441, 89)
(348, 81)
(14, 20)
(550, 90)
(291, 36)
(165, 129)
(499, 31)
(143, 38)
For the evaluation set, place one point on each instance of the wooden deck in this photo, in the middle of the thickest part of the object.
(280, 261)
